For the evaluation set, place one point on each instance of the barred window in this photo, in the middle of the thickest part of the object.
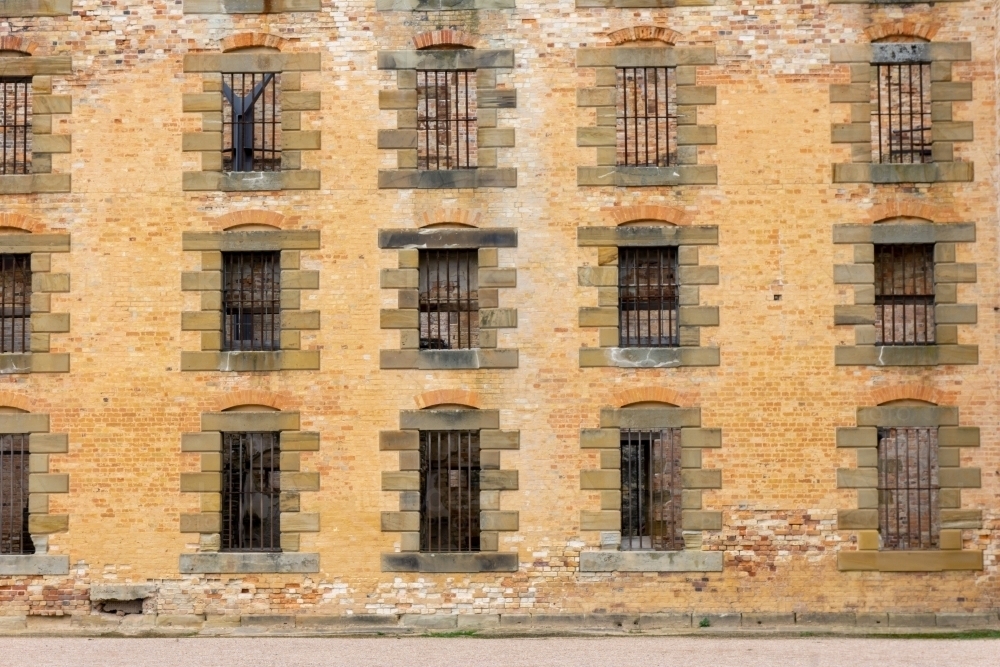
(908, 488)
(16, 124)
(646, 112)
(14, 537)
(449, 491)
(251, 300)
(651, 489)
(447, 129)
(15, 303)
(904, 294)
(449, 299)
(901, 116)
(251, 492)
(647, 297)
(251, 122)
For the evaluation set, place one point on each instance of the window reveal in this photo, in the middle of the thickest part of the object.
(15, 303)
(251, 492)
(16, 125)
(449, 491)
(651, 490)
(904, 294)
(446, 119)
(449, 299)
(647, 297)
(251, 284)
(14, 537)
(908, 488)
(251, 122)
(901, 116)
(646, 126)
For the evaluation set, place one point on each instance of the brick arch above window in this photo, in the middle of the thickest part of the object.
(238, 219)
(892, 29)
(915, 392)
(447, 37)
(19, 221)
(454, 215)
(429, 399)
(665, 395)
(16, 43)
(269, 399)
(905, 209)
(621, 215)
(246, 40)
(16, 401)
(644, 33)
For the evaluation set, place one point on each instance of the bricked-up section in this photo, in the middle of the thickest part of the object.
(491, 278)
(409, 556)
(490, 98)
(43, 105)
(863, 314)
(249, 6)
(208, 483)
(859, 98)
(691, 315)
(615, 425)
(607, 100)
(957, 526)
(218, 354)
(209, 103)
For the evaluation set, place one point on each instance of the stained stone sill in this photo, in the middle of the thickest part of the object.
(651, 561)
(35, 362)
(248, 563)
(251, 181)
(19, 8)
(33, 564)
(647, 176)
(908, 355)
(440, 5)
(249, 6)
(642, 4)
(446, 179)
(303, 360)
(431, 360)
(23, 184)
(648, 357)
(449, 562)
(928, 172)
(886, 2)
(909, 561)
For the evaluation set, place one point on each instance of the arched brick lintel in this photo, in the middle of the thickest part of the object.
(245, 40)
(627, 397)
(918, 392)
(675, 216)
(897, 209)
(924, 31)
(9, 400)
(251, 217)
(644, 33)
(428, 40)
(19, 221)
(15, 43)
(458, 216)
(254, 397)
(447, 396)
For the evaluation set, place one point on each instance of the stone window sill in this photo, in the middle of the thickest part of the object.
(33, 565)
(448, 359)
(446, 179)
(248, 563)
(648, 357)
(35, 362)
(900, 355)
(440, 5)
(22, 184)
(909, 561)
(642, 4)
(249, 6)
(930, 172)
(449, 562)
(648, 176)
(19, 8)
(262, 181)
(284, 360)
(651, 561)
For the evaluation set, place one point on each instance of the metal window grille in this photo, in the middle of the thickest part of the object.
(646, 113)
(908, 488)
(904, 294)
(446, 119)
(251, 492)
(251, 122)
(647, 297)
(14, 537)
(449, 490)
(651, 489)
(251, 300)
(449, 299)
(16, 125)
(902, 112)
(15, 303)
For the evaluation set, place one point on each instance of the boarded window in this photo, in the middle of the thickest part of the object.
(646, 116)
(447, 129)
(651, 489)
(251, 122)
(251, 492)
(908, 488)
(904, 294)
(16, 125)
(449, 299)
(647, 297)
(449, 491)
(15, 303)
(251, 300)
(14, 537)
(901, 112)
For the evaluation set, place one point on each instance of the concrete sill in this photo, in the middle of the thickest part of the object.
(447, 179)
(450, 562)
(689, 174)
(248, 563)
(32, 564)
(905, 355)
(651, 561)
(909, 561)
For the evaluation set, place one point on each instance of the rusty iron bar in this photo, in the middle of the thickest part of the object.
(16, 125)
(15, 303)
(651, 490)
(908, 488)
(251, 122)
(449, 299)
(449, 491)
(251, 492)
(447, 128)
(14, 536)
(646, 123)
(902, 112)
(251, 301)
(904, 294)
(647, 297)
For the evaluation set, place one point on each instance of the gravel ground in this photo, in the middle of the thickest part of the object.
(472, 652)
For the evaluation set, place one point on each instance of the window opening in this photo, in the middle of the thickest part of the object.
(449, 491)
(647, 297)
(251, 492)
(446, 119)
(14, 537)
(646, 126)
(251, 122)
(16, 125)
(449, 299)
(651, 490)
(251, 284)
(902, 112)
(15, 303)
(904, 294)
(908, 488)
